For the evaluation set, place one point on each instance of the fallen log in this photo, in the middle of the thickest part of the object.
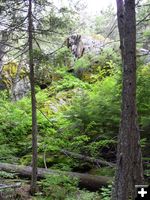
(4, 186)
(87, 158)
(90, 182)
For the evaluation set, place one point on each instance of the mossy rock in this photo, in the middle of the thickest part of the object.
(10, 71)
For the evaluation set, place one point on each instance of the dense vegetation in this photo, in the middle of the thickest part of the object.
(78, 114)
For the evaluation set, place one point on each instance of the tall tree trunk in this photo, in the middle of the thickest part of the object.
(33, 100)
(129, 161)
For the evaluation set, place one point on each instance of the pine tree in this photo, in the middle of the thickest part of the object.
(129, 159)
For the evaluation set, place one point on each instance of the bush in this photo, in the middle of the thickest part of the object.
(93, 118)
(58, 186)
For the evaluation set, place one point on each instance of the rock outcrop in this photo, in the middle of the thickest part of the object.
(81, 44)
(14, 78)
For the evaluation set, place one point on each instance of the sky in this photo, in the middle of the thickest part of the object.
(97, 5)
(93, 6)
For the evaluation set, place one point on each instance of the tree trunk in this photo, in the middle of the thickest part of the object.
(90, 182)
(129, 162)
(33, 100)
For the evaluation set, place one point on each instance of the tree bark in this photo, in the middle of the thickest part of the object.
(129, 160)
(87, 158)
(33, 101)
(85, 180)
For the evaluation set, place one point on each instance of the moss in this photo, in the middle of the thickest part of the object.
(10, 71)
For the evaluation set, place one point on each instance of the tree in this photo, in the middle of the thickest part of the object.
(25, 22)
(105, 23)
(129, 159)
(33, 101)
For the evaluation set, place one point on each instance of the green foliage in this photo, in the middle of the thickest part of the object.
(79, 115)
(107, 55)
(103, 171)
(146, 161)
(7, 152)
(68, 81)
(9, 73)
(58, 187)
(7, 175)
(104, 21)
(15, 129)
(81, 66)
(84, 195)
(63, 57)
(106, 192)
(93, 118)
(143, 94)
(143, 34)
(97, 67)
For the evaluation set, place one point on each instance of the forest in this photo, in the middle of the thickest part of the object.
(74, 100)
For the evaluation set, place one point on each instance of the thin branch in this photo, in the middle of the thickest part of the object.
(140, 21)
(148, 4)
(9, 45)
(37, 43)
(87, 158)
(62, 46)
(44, 41)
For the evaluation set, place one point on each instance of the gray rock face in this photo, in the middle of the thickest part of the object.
(92, 45)
(81, 44)
(21, 88)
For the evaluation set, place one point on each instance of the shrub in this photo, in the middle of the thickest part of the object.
(58, 186)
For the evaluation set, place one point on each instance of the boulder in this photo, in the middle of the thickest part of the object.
(81, 44)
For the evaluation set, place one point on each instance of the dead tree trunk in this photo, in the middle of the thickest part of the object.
(129, 162)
